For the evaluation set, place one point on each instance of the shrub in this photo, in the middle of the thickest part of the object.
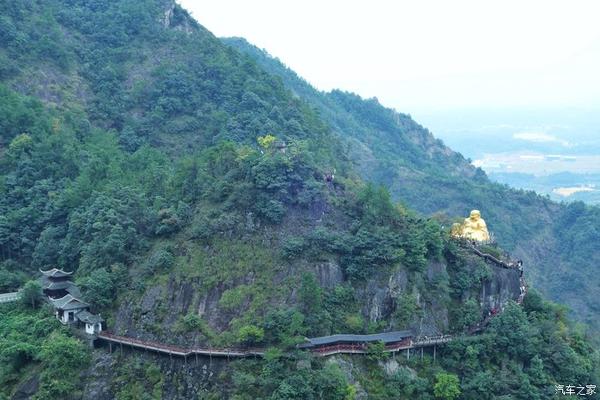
(376, 351)
(446, 386)
(233, 298)
(160, 260)
(250, 334)
(192, 322)
(31, 295)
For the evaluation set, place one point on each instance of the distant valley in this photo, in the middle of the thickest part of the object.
(563, 186)
(554, 152)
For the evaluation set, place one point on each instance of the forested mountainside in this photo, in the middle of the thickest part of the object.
(191, 193)
(561, 243)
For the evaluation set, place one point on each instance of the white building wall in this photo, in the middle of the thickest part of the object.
(93, 328)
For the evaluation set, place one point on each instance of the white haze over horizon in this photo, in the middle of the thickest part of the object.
(423, 56)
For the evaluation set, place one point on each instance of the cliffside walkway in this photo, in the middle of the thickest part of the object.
(326, 349)
(518, 266)
(9, 297)
(323, 346)
(176, 350)
(419, 342)
(493, 259)
(172, 350)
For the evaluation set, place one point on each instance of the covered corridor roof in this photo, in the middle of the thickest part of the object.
(386, 337)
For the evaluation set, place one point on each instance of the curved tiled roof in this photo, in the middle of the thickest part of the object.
(50, 285)
(68, 302)
(56, 273)
(88, 317)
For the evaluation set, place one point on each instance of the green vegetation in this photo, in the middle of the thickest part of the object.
(31, 295)
(139, 380)
(560, 244)
(30, 340)
(62, 358)
(446, 386)
(274, 380)
(376, 351)
(191, 193)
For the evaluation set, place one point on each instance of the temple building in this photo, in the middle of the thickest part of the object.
(56, 283)
(64, 297)
(67, 307)
(71, 310)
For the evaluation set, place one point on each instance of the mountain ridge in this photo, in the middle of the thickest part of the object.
(200, 202)
(524, 222)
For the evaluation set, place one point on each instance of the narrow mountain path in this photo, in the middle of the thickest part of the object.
(357, 346)
(343, 348)
(327, 350)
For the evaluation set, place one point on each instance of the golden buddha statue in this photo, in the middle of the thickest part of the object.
(472, 228)
(475, 228)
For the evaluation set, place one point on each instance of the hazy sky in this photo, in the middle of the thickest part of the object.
(424, 55)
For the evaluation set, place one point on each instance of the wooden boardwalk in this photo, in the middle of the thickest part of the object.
(407, 343)
(177, 350)
(363, 348)
(491, 258)
(425, 341)
(9, 297)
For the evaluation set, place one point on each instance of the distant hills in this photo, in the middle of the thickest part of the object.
(552, 151)
(563, 186)
(559, 243)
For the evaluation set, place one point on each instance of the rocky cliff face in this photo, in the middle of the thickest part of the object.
(156, 313)
(501, 287)
(179, 379)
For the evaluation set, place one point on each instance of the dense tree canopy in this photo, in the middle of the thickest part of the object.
(162, 166)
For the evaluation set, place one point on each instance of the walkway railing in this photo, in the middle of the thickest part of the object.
(424, 341)
(9, 297)
(492, 258)
(341, 348)
(358, 348)
(176, 350)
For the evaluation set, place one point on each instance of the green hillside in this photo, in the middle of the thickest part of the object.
(191, 193)
(560, 243)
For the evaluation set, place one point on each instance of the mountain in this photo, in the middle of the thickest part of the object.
(201, 204)
(560, 243)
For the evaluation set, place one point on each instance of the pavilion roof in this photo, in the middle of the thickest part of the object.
(50, 285)
(56, 273)
(386, 337)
